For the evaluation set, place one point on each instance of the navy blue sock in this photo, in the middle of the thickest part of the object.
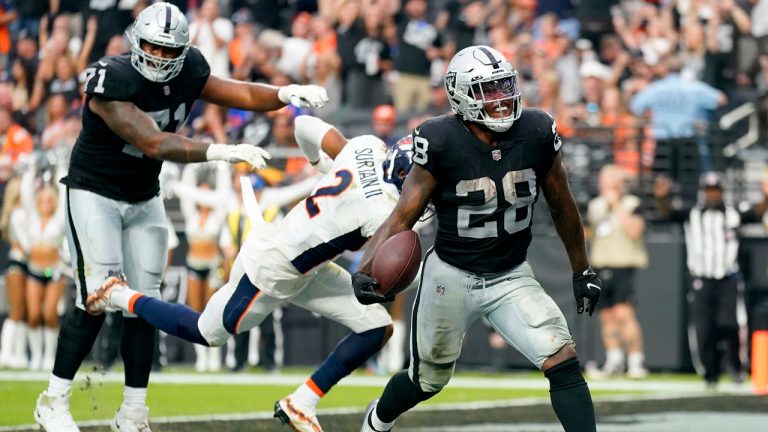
(350, 353)
(172, 318)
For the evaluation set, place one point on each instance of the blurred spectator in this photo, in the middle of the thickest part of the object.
(419, 43)
(15, 141)
(327, 74)
(465, 22)
(20, 86)
(615, 230)
(7, 16)
(712, 244)
(595, 18)
(384, 122)
(631, 149)
(203, 191)
(349, 31)
(13, 223)
(365, 85)
(296, 48)
(726, 22)
(113, 17)
(676, 107)
(44, 208)
(284, 149)
(211, 34)
(60, 130)
(30, 12)
(242, 41)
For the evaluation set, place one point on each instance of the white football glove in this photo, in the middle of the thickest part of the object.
(254, 156)
(303, 96)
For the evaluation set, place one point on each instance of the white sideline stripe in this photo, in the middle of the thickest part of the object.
(467, 406)
(647, 385)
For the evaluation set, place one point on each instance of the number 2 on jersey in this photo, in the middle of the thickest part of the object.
(345, 179)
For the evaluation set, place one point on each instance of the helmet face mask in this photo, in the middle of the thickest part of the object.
(398, 162)
(483, 88)
(161, 24)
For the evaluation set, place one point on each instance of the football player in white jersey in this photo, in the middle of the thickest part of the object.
(290, 262)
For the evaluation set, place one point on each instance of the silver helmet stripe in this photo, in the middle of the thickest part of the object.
(494, 62)
(168, 15)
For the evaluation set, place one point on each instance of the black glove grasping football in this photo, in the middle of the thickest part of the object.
(586, 285)
(364, 285)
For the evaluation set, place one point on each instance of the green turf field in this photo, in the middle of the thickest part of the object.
(93, 400)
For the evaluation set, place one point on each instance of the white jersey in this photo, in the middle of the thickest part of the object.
(345, 208)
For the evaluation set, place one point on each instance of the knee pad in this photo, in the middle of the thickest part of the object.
(434, 376)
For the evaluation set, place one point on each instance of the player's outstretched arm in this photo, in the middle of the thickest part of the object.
(261, 97)
(137, 128)
(314, 135)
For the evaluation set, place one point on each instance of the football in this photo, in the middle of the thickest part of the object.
(396, 262)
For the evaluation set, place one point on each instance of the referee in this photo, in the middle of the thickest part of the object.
(711, 239)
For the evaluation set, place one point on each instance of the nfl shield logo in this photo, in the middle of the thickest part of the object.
(440, 290)
(166, 90)
(496, 154)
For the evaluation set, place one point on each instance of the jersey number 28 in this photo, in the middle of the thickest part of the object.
(518, 189)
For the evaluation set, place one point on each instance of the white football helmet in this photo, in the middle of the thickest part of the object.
(159, 24)
(482, 88)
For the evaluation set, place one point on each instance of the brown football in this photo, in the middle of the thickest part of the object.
(397, 262)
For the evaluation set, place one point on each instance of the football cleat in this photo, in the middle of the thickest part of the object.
(131, 419)
(53, 415)
(367, 424)
(288, 413)
(98, 302)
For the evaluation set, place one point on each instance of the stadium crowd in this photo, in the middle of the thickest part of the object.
(641, 80)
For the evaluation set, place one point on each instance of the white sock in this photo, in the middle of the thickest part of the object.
(58, 386)
(135, 397)
(635, 360)
(20, 340)
(377, 423)
(6, 340)
(614, 356)
(396, 347)
(306, 398)
(35, 338)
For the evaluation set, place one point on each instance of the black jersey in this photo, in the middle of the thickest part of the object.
(104, 163)
(485, 195)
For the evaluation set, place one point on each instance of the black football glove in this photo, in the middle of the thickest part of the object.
(364, 286)
(586, 285)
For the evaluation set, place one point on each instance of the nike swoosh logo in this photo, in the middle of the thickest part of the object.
(416, 131)
(591, 285)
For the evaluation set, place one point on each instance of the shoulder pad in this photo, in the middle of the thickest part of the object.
(195, 64)
(112, 78)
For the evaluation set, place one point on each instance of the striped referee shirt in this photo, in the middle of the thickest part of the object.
(712, 243)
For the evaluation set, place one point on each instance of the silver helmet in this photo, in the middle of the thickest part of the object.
(159, 24)
(482, 87)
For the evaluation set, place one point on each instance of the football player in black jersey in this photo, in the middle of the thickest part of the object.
(115, 219)
(482, 168)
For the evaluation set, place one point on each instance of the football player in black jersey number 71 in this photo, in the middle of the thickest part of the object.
(115, 218)
(482, 168)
